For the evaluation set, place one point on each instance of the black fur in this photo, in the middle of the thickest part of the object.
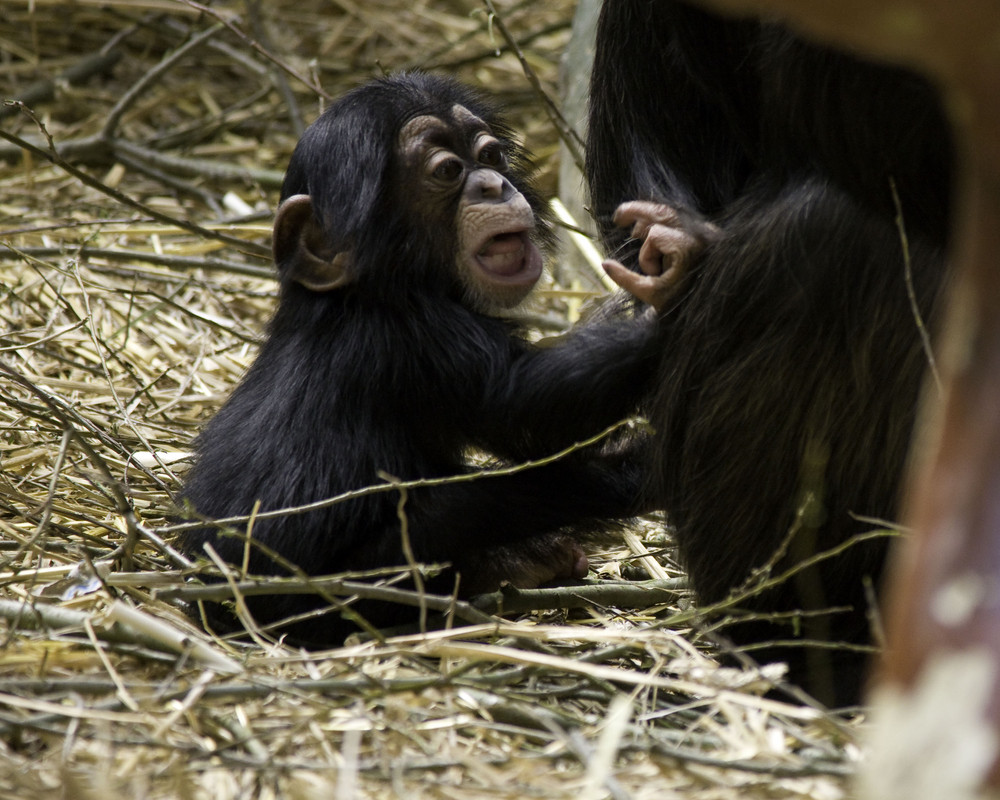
(397, 374)
(791, 366)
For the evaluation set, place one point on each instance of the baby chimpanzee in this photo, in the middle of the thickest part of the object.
(407, 220)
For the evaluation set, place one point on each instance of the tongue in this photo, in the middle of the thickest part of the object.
(503, 254)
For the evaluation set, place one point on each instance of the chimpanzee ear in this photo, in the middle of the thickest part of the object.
(302, 251)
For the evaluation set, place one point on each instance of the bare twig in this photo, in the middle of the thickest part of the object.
(227, 21)
(566, 132)
(133, 256)
(411, 484)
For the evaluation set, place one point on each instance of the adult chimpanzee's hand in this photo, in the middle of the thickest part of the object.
(670, 241)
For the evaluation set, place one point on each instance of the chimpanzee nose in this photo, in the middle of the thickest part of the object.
(487, 185)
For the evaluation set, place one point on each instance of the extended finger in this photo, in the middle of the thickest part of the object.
(652, 291)
(632, 282)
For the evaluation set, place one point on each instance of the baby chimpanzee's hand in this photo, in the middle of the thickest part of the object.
(670, 240)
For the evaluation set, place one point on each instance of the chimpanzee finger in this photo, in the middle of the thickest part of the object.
(655, 291)
(631, 282)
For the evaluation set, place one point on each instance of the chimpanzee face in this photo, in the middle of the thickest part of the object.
(452, 183)
(456, 174)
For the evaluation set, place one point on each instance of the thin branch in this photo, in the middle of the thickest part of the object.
(569, 136)
(132, 256)
(418, 483)
(645, 594)
(214, 14)
(911, 293)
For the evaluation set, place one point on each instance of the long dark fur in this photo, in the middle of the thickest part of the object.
(790, 368)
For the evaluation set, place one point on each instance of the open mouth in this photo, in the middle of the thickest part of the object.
(510, 255)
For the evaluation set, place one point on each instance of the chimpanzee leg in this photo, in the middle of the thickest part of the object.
(785, 405)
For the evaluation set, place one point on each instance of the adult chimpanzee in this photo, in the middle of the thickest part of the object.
(791, 357)
(407, 220)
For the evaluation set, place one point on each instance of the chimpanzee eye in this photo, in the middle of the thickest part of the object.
(491, 154)
(448, 170)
